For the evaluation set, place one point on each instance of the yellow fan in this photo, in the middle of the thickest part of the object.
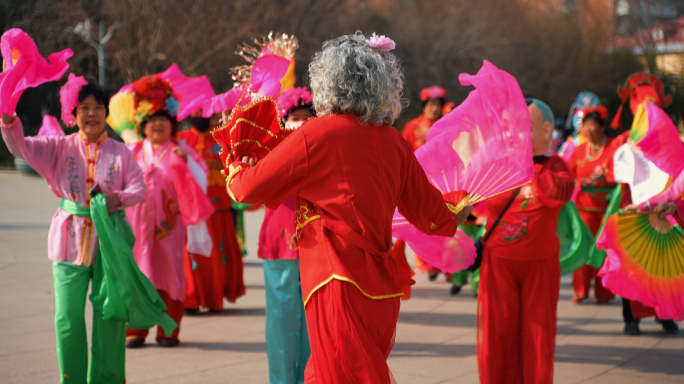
(121, 114)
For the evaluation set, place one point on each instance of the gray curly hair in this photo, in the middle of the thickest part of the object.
(348, 76)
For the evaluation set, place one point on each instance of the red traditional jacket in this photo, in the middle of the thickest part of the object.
(528, 229)
(594, 173)
(208, 149)
(347, 179)
(416, 130)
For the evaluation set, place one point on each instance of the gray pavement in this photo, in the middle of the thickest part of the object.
(435, 336)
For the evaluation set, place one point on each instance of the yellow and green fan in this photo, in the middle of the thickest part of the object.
(121, 114)
(645, 261)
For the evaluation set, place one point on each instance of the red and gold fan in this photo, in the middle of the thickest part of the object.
(253, 131)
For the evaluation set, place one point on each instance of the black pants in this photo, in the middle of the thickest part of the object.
(627, 314)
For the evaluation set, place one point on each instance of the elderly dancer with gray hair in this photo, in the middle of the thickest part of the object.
(349, 169)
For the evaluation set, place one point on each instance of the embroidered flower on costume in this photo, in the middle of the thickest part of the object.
(383, 42)
(513, 231)
(526, 192)
(528, 196)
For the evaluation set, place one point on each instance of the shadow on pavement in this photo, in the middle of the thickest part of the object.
(258, 347)
(259, 311)
(405, 349)
(252, 264)
(643, 360)
(438, 319)
(24, 227)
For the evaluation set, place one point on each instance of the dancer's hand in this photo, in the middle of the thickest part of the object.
(462, 216)
(7, 119)
(632, 208)
(665, 209)
(113, 202)
(249, 161)
(181, 152)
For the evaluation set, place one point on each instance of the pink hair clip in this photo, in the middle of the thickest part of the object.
(382, 42)
(68, 97)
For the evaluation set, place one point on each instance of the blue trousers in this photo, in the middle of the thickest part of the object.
(287, 340)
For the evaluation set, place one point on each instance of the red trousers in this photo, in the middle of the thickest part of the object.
(516, 325)
(174, 308)
(581, 283)
(210, 279)
(351, 335)
(582, 277)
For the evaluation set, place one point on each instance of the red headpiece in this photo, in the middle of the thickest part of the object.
(434, 92)
(641, 87)
(152, 94)
(600, 109)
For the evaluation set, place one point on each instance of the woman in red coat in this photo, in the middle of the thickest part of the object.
(592, 166)
(348, 169)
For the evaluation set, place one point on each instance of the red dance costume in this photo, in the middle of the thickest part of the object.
(520, 280)
(210, 279)
(347, 179)
(593, 171)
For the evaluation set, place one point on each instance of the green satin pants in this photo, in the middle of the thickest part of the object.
(108, 347)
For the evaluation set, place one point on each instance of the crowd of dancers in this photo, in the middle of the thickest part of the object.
(156, 223)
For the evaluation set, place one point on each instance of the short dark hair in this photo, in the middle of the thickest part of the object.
(308, 107)
(100, 94)
(163, 113)
(423, 103)
(597, 118)
(200, 123)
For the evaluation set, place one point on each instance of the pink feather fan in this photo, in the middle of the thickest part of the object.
(656, 136)
(480, 149)
(50, 127)
(267, 74)
(192, 92)
(24, 67)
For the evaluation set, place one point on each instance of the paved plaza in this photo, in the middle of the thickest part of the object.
(436, 334)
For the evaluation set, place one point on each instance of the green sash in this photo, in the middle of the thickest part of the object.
(596, 256)
(240, 224)
(597, 190)
(126, 293)
(575, 239)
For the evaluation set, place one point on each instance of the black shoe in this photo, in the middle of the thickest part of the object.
(134, 342)
(455, 290)
(632, 328)
(167, 342)
(669, 326)
(191, 311)
(433, 276)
